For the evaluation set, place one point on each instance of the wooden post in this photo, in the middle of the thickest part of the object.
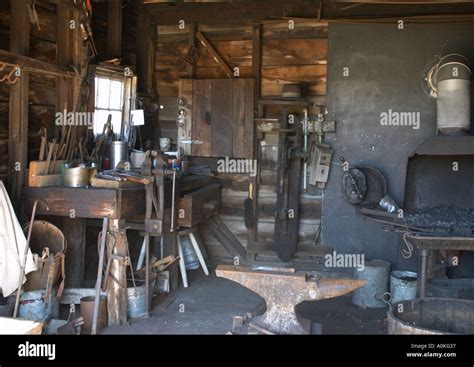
(117, 280)
(252, 234)
(114, 29)
(75, 232)
(18, 109)
(192, 45)
(63, 58)
(257, 60)
(170, 247)
(146, 47)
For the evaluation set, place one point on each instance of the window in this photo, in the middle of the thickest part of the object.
(109, 95)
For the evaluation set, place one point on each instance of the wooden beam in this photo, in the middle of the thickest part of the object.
(405, 2)
(18, 109)
(114, 29)
(63, 58)
(192, 46)
(31, 65)
(75, 232)
(146, 49)
(257, 60)
(217, 58)
(241, 12)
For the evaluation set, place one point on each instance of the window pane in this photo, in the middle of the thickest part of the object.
(103, 92)
(100, 119)
(116, 95)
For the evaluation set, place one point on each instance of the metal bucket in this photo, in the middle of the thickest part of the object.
(136, 302)
(118, 151)
(403, 285)
(7, 307)
(87, 312)
(376, 273)
(190, 258)
(77, 176)
(462, 288)
(32, 306)
(428, 316)
(137, 158)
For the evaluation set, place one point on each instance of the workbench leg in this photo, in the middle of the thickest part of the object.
(117, 280)
(182, 265)
(198, 253)
(75, 232)
(170, 247)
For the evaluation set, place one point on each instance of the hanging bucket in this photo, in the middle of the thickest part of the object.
(403, 286)
(49, 269)
(376, 273)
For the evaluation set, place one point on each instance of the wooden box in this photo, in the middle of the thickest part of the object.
(39, 177)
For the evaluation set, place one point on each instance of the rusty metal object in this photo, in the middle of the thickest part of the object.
(282, 290)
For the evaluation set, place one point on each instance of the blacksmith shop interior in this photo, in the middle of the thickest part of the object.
(236, 167)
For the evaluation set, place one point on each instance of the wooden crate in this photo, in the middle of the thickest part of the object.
(38, 177)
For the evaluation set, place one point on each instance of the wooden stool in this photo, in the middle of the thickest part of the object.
(182, 266)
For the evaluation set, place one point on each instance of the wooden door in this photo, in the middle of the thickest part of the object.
(220, 115)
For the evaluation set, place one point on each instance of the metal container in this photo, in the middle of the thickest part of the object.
(462, 288)
(190, 258)
(33, 307)
(376, 273)
(432, 316)
(137, 158)
(7, 307)
(118, 152)
(453, 82)
(45, 234)
(136, 301)
(403, 285)
(76, 176)
(87, 312)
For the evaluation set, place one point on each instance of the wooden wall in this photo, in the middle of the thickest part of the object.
(42, 90)
(288, 56)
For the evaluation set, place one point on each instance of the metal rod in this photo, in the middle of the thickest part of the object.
(99, 275)
(173, 201)
(423, 272)
(147, 275)
(305, 164)
(25, 255)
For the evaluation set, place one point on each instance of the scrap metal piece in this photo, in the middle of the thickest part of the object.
(282, 291)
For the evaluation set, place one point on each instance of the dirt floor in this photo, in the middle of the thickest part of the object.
(210, 303)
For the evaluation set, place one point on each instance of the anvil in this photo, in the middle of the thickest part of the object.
(282, 290)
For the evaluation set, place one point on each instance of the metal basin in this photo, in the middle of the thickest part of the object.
(432, 316)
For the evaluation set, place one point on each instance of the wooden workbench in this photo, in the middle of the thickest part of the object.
(76, 205)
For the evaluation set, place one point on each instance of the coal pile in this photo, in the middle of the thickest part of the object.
(443, 216)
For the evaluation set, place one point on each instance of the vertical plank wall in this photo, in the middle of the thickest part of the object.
(288, 56)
